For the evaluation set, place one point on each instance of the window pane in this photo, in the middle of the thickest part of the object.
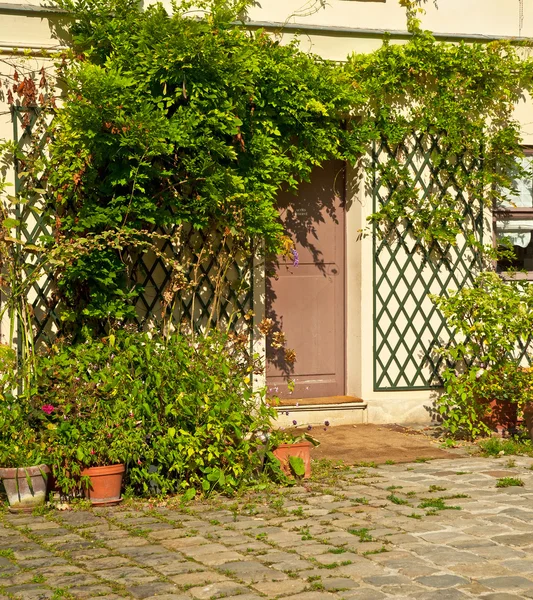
(524, 187)
(518, 232)
(521, 239)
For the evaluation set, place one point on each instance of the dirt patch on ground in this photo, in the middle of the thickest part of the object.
(376, 443)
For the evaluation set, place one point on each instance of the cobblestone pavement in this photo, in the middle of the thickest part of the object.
(439, 529)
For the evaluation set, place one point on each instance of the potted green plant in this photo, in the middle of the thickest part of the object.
(25, 478)
(292, 449)
(23, 473)
(485, 384)
(87, 423)
(22, 469)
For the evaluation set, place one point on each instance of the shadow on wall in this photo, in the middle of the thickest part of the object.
(305, 214)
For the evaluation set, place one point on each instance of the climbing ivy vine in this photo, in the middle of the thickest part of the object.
(185, 119)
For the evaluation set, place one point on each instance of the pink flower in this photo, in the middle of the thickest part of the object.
(48, 409)
(139, 461)
(92, 451)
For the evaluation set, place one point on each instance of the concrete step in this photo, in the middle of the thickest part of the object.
(347, 410)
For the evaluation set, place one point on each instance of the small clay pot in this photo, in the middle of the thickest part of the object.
(105, 484)
(26, 487)
(301, 450)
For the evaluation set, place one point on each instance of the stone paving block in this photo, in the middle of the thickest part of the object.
(508, 583)
(442, 581)
(90, 590)
(520, 539)
(311, 596)
(253, 571)
(66, 581)
(169, 597)
(123, 574)
(447, 594)
(163, 558)
(337, 584)
(361, 594)
(80, 518)
(254, 545)
(276, 588)
(108, 562)
(217, 590)
(198, 578)
(178, 567)
(185, 542)
(311, 548)
(139, 553)
(295, 564)
(146, 590)
(362, 568)
(31, 552)
(128, 542)
(89, 553)
(168, 533)
(518, 565)
(329, 558)
(389, 580)
(499, 596)
(29, 592)
(244, 597)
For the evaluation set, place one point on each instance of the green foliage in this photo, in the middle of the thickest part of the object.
(436, 504)
(463, 94)
(494, 446)
(362, 533)
(491, 323)
(19, 441)
(173, 119)
(396, 499)
(178, 411)
(297, 466)
(509, 482)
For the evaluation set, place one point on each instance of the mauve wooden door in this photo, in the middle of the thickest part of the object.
(307, 301)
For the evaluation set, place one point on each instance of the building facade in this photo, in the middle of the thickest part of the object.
(353, 307)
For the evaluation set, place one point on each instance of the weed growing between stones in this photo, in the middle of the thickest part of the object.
(505, 482)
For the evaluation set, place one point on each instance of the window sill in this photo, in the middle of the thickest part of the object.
(519, 276)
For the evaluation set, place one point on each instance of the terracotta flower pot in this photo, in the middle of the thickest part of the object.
(301, 450)
(105, 484)
(26, 487)
(528, 418)
(502, 417)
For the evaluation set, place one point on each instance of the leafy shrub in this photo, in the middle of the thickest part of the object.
(492, 324)
(179, 411)
(20, 444)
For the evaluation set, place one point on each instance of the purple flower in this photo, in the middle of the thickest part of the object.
(326, 423)
(48, 409)
(295, 422)
(309, 428)
(295, 258)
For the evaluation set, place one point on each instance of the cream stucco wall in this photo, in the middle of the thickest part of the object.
(486, 17)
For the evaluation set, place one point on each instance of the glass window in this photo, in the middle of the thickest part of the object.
(513, 220)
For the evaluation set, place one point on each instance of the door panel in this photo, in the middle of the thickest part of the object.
(306, 301)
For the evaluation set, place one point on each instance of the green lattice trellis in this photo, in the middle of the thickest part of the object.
(195, 303)
(407, 325)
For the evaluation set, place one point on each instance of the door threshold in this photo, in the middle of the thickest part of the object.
(322, 401)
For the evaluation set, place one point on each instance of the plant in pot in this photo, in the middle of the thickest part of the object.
(89, 428)
(485, 384)
(291, 450)
(22, 469)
